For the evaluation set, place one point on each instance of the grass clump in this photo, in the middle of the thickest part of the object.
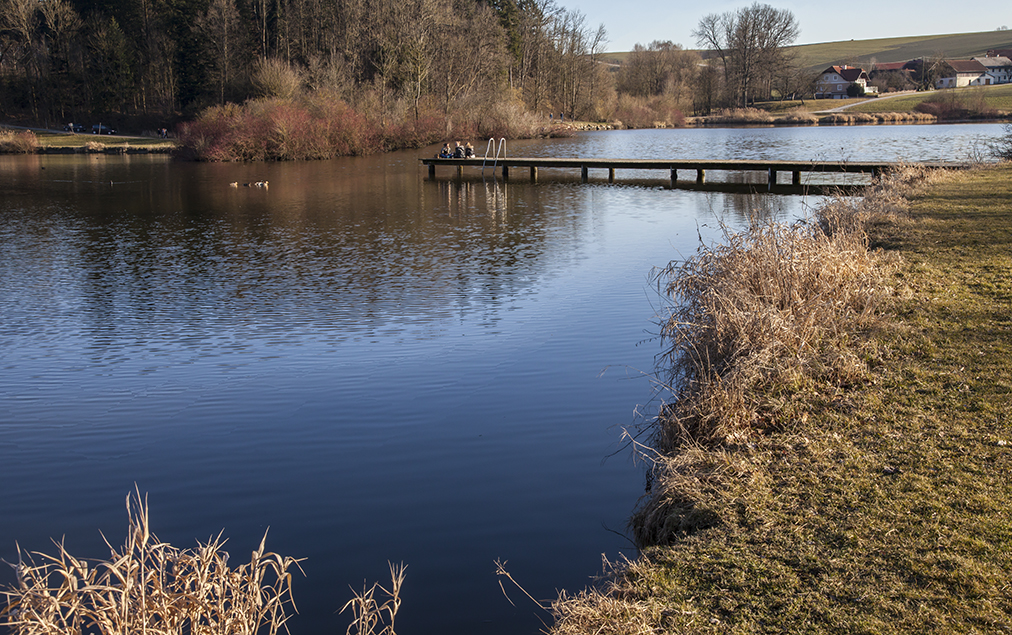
(148, 586)
(848, 471)
(852, 118)
(23, 142)
(735, 116)
(370, 615)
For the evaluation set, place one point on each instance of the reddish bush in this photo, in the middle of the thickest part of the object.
(277, 129)
(945, 104)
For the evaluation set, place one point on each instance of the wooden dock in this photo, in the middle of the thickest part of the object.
(771, 168)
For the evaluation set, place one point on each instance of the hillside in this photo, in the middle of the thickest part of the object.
(898, 49)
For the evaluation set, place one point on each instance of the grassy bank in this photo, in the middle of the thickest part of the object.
(29, 142)
(846, 470)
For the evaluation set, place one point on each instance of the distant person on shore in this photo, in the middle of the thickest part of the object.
(469, 151)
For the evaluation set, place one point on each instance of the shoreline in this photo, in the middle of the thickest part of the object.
(873, 498)
(84, 144)
(115, 149)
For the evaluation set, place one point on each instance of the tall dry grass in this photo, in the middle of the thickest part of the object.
(797, 116)
(844, 118)
(737, 116)
(374, 610)
(148, 586)
(23, 142)
(763, 309)
(754, 322)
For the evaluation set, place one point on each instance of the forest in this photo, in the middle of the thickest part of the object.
(401, 73)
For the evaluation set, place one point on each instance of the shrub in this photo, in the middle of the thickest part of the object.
(278, 129)
(1001, 148)
(648, 112)
(276, 78)
(946, 104)
(24, 142)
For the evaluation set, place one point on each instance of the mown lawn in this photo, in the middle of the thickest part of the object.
(887, 506)
(58, 139)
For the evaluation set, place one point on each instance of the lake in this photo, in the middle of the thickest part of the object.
(377, 366)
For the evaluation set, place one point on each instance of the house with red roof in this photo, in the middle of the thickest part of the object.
(836, 81)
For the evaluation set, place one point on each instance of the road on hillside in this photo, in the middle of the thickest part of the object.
(877, 99)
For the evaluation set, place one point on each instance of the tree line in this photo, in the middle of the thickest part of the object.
(155, 62)
(158, 58)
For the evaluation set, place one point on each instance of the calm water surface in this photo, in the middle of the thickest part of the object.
(374, 365)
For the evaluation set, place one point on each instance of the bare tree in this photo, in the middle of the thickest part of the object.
(662, 68)
(749, 43)
(220, 27)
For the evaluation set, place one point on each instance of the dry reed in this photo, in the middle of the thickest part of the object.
(148, 586)
(24, 142)
(842, 118)
(798, 116)
(737, 116)
(756, 321)
(757, 313)
(614, 607)
(368, 612)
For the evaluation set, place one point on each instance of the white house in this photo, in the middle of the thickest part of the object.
(999, 68)
(835, 81)
(959, 73)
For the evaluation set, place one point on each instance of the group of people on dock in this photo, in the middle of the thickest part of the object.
(459, 152)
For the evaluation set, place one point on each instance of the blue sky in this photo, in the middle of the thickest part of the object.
(644, 21)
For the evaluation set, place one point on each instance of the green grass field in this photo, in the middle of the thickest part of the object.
(996, 97)
(68, 140)
(898, 49)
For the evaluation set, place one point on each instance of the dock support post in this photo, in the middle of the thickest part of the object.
(432, 170)
(611, 175)
(796, 177)
(773, 177)
(460, 171)
(583, 173)
(534, 174)
(505, 172)
(674, 176)
(700, 175)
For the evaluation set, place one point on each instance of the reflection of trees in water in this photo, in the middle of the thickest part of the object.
(193, 262)
(753, 205)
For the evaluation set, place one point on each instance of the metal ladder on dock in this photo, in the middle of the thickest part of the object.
(495, 160)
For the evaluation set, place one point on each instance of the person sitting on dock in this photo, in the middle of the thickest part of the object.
(468, 151)
(445, 153)
(458, 151)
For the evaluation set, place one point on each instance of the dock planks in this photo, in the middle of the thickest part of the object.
(673, 166)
